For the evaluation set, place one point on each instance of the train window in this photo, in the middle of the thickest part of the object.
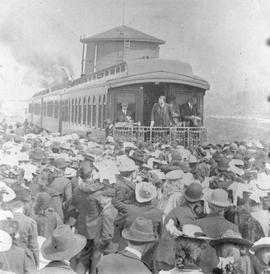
(56, 108)
(80, 111)
(117, 69)
(123, 68)
(106, 73)
(84, 110)
(94, 112)
(99, 111)
(30, 108)
(76, 112)
(89, 111)
(68, 114)
(112, 71)
(44, 108)
(104, 116)
(72, 110)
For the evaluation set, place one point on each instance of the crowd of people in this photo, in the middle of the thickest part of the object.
(74, 204)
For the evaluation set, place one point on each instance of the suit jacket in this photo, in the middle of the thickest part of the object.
(15, 260)
(28, 236)
(122, 117)
(63, 186)
(108, 216)
(123, 262)
(56, 267)
(162, 117)
(89, 220)
(181, 215)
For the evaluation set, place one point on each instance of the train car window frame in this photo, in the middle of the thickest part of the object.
(84, 110)
(104, 110)
(76, 111)
(89, 112)
(79, 111)
(94, 112)
(99, 111)
(72, 110)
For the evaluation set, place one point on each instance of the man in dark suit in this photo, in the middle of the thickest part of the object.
(139, 236)
(189, 113)
(161, 115)
(124, 114)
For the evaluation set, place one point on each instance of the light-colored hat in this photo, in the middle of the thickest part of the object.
(129, 145)
(233, 166)
(7, 193)
(63, 244)
(175, 174)
(5, 241)
(70, 172)
(6, 214)
(145, 192)
(219, 198)
(193, 232)
(188, 178)
(263, 242)
(126, 164)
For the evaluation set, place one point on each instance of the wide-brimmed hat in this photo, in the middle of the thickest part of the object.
(193, 232)
(219, 198)
(5, 241)
(263, 242)
(141, 230)
(145, 192)
(60, 163)
(194, 192)
(175, 175)
(63, 244)
(6, 192)
(231, 237)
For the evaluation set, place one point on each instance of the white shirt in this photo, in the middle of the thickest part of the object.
(134, 251)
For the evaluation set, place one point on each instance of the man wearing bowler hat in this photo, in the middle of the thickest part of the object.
(139, 236)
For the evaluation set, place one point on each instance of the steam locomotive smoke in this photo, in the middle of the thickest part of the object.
(44, 67)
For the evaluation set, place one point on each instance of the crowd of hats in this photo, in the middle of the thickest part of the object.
(218, 174)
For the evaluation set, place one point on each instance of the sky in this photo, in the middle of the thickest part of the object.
(223, 40)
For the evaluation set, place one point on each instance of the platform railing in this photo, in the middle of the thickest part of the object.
(186, 136)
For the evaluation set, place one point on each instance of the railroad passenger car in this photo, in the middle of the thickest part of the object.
(84, 104)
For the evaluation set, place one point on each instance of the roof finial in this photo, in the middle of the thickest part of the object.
(123, 13)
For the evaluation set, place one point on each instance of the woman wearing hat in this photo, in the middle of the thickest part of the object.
(59, 249)
(188, 248)
(232, 250)
(15, 259)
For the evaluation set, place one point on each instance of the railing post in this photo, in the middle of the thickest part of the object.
(188, 137)
(150, 135)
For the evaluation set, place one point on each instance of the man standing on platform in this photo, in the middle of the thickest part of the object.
(161, 115)
(189, 113)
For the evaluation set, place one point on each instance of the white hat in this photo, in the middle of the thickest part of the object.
(192, 159)
(194, 232)
(233, 166)
(70, 172)
(126, 164)
(145, 192)
(129, 145)
(5, 214)
(42, 261)
(175, 174)
(7, 193)
(188, 178)
(5, 241)
(263, 242)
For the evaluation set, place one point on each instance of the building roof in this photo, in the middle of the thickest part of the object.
(122, 33)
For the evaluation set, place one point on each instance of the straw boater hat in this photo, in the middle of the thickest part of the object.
(63, 244)
(262, 243)
(5, 241)
(231, 237)
(219, 198)
(145, 192)
(141, 230)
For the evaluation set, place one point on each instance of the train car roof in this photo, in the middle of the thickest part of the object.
(122, 33)
(159, 70)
